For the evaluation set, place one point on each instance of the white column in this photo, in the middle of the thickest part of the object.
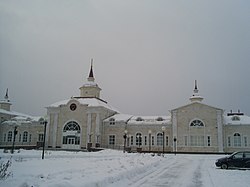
(55, 130)
(174, 129)
(97, 128)
(88, 126)
(219, 128)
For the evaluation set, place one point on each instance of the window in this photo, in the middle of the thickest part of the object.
(112, 121)
(197, 140)
(185, 140)
(112, 140)
(159, 139)
(139, 119)
(235, 118)
(40, 137)
(237, 140)
(145, 140)
(153, 140)
(166, 140)
(132, 140)
(25, 136)
(30, 138)
(229, 141)
(9, 136)
(208, 141)
(247, 155)
(138, 140)
(71, 126)
(4, 138)
(196, 123)
(245, 141)
(159, 119)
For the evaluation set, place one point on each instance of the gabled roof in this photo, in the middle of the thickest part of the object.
(91, 102)
(196, 102)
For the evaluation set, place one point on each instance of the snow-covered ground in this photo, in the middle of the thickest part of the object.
(115, 168)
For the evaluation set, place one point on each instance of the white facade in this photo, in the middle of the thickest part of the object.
(87, 121)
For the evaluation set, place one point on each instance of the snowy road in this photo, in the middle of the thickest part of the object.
(110, 168)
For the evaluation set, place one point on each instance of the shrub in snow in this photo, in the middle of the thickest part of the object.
(4, 174)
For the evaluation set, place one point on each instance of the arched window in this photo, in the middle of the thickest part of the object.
(138, 139)
(25, 136)
(235, 118)
(159, 139)
(237, 140)
(139, 119)
(196, 123)
(71, 126)
(9, 136)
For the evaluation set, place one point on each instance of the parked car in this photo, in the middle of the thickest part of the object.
(236, 160)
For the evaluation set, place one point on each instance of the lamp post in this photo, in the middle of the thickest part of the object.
(175, 145)
(44, 136)
(149, 140)
(163, 134)
(14, 139)
(125, 138)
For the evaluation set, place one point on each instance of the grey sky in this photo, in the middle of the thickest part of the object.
(147, 54)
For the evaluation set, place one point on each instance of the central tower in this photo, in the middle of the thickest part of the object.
(90, 89)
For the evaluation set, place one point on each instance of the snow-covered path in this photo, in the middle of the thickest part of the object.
(114, 168)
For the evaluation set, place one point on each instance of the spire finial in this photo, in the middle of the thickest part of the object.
(91, 74)
(6, 97)
(195, 87)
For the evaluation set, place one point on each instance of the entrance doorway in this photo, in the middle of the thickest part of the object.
(71, 136)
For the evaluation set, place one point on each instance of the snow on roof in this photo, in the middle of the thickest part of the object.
(119, 117)
(150, 120)
(91, 102)
(13, 113)
(90, 84)
(237, 120)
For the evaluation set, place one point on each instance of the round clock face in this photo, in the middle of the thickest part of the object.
(73, 106)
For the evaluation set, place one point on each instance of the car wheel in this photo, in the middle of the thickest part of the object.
(224, 166)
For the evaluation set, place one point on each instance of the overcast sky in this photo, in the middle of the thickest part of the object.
(147, 53)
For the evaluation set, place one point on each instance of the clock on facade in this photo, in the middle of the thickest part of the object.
(72, 106)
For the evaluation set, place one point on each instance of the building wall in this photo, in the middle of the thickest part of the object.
(186, 134)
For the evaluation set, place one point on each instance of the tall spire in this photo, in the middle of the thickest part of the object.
(6, 97)
(196, 96)
(91, 74)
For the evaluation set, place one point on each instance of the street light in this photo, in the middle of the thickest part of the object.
(125, 138)
(14, 139)
(163, 134)
(175, 146)
(44, 135)
(149, 140)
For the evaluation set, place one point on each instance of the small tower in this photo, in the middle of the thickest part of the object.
(90, 89)
(196, 97)
(5, 104)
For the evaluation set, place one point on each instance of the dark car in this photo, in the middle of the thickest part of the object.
(236, 160)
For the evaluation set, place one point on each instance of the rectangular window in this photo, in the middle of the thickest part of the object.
(30, 138)
(185, 140)
(40, 137)
(208, 141)
(9, 136)
(132, 140)
(112, 140)
(229, 141)
(153, 140)
(166, 140)
(25, 137)
(197, 140)
(245, 141)
(145, 140)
